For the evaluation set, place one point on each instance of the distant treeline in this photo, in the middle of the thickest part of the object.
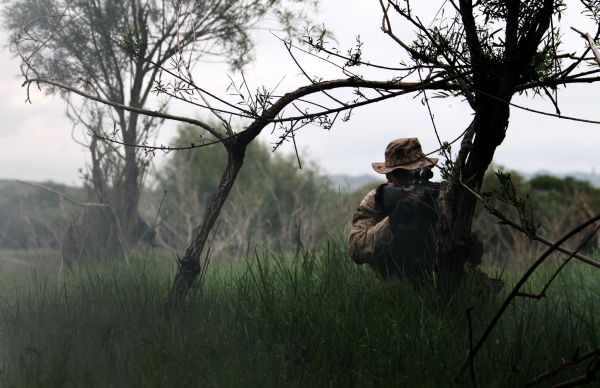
(273, 203)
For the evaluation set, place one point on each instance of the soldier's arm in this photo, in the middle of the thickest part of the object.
(371, 233)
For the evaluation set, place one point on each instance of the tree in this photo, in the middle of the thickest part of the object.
(114, 50)
(486, 52)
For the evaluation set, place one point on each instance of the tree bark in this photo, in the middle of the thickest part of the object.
(457, 204)
(190, 264)
(128, 199)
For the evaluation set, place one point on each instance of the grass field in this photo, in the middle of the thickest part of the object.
(314, 320)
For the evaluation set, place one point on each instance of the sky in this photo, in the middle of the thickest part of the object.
(36, 139)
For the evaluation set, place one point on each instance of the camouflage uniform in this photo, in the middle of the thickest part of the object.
(391, 250)
(406, 245)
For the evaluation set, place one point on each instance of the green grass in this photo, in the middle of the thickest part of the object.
(314, 320)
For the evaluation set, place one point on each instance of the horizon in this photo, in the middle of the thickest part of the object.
(593, 177)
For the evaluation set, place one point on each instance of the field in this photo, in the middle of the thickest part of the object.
(313, 319)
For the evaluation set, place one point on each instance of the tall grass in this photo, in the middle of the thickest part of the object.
(311, 320)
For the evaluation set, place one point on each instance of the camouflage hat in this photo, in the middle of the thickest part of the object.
(405, 154)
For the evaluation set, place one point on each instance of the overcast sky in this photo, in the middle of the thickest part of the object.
(36, 141)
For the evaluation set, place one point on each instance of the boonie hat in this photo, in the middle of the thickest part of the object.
(405, 154)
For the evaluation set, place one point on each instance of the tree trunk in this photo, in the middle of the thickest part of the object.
(190, 265)
(109, 232)
(457, 205)
(127, 200)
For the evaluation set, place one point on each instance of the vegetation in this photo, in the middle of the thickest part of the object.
(313, 319)
(557, 205)
(289, 316)
(292, 208)
(484, 52)
(115, 50)
(31, 218)
(273, 203)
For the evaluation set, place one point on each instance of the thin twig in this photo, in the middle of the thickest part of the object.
(163, 147)
(590, 376)
(432, 118)
(564, 366)
(542, 293)
(68, 199)
(296, 150)
(539, 111)
(146, 112)
(289, 50)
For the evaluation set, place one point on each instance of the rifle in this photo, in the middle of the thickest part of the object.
(420, 187)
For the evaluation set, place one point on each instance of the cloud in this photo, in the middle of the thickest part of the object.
(14, 110)
(35, 138)
(36, 141)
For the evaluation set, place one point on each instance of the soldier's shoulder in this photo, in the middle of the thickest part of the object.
(368, 202)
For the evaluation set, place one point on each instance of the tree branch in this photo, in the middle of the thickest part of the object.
(404, 87)
(591, 43)
(145, 112)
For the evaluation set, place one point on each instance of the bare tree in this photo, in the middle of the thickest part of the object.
(114, 50)
(485, 52)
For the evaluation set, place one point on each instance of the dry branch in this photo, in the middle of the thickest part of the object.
(591, 43)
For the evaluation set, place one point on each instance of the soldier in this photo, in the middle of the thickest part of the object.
(400, 241)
